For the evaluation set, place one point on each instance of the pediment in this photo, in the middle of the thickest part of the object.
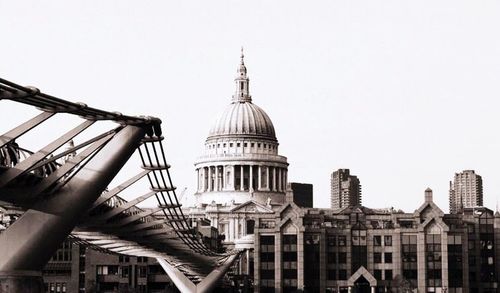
(429, 210)
(252, 207)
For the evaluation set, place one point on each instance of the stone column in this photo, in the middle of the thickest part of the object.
(203, 180)
(251, 179)
(274, 179)
(231, 229)
(241, 178)
(244, 227)
(267, 178)
(286, 178)
(234, 176)
(216, 179)
(210, 185)
(248, 262)
(259, 176)
(223, 179)
(236, 228)
(280, 185)
(373, 289)
(226, 231)
(198, 179)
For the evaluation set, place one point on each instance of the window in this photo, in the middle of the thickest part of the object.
(388, 275)
(331, 240)
(377, 257)
(252, 144)
(224, 145)
(245, 144)
(342, 275)
(388, 240)
(331, 275)
(125, 272)
(377, 274)
(342, 257)
(231, 145)
(388, 257)
(342, 240)
(377, 240)
(142, 271)
(331, 257)
(238, 144)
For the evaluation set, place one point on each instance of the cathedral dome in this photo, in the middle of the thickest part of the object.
(243, 119)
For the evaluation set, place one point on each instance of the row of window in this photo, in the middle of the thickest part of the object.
(55, 287)
(377, 257)
(340, 240)
(245, 144)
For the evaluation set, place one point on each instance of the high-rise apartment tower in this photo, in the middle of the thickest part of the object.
(345, 189)
(466, 191)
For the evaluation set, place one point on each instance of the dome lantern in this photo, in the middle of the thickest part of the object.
(242, 93)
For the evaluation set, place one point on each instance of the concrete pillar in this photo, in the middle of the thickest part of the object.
(322, 262)
(300, 261)
(444, 259)
(277, 264)
(373, 289)
(421, 262)
(216, 180)
(349, 289)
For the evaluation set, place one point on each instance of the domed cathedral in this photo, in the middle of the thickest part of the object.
(241, 161)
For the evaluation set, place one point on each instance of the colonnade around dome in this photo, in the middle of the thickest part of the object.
(242, 177)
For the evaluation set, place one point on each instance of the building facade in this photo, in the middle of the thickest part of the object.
(291, 247)
(241, 160)
(466, 191)
(345, 189)
(358, 249)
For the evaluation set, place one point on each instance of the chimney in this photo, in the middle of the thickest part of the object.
(428, 195)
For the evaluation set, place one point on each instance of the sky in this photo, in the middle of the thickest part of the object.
(403, 93)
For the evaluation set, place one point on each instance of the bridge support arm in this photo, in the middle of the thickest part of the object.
(206, 285)
(30, 242)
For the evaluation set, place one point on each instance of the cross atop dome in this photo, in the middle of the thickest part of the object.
(242, 93)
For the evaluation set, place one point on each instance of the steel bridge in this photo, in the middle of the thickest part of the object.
(65, 193)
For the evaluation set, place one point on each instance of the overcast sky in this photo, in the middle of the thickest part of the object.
(404, 93)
